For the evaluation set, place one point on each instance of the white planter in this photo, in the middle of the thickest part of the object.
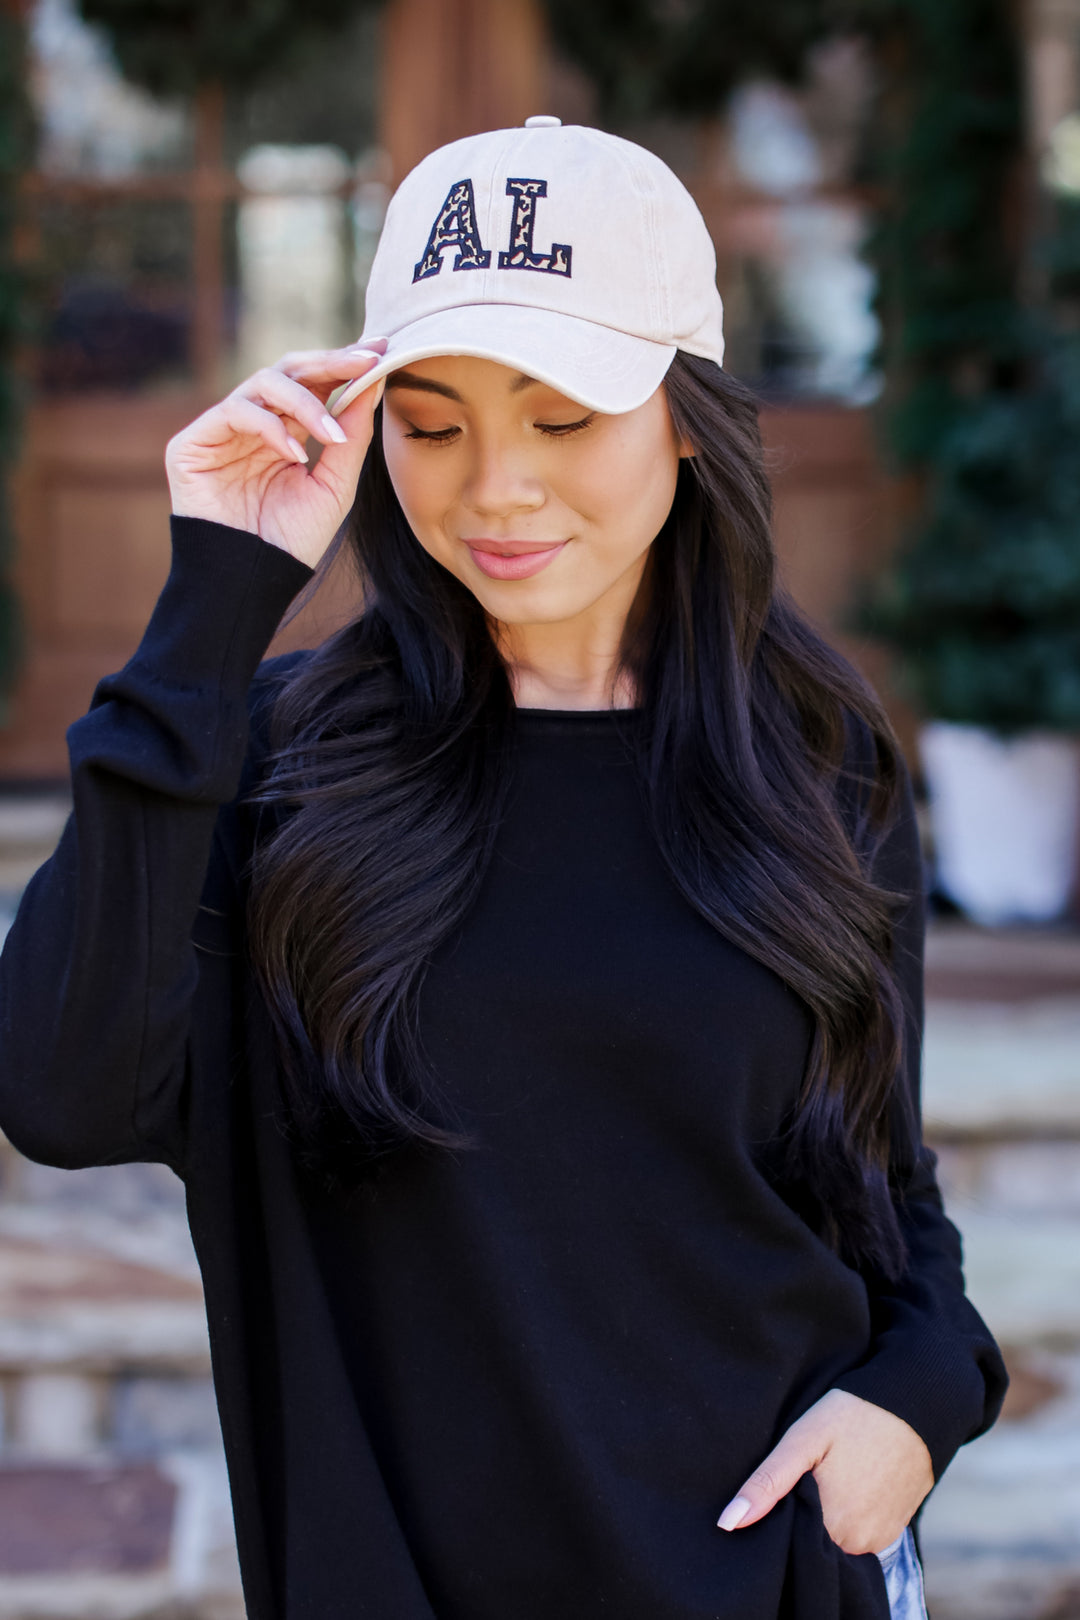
(1005, 814)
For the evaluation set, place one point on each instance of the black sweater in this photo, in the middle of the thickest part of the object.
(516, 1383)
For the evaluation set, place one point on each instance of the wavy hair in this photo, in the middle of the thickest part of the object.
(388, 771)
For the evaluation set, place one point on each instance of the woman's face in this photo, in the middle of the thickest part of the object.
(541, 507)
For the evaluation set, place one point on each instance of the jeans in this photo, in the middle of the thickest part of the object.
(903, 1578)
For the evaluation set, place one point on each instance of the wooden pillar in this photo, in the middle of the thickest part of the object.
(456, 67)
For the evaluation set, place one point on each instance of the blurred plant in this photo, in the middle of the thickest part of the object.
(947, 154)
(15, 130)
(174, 47)
(647, 57)
(984, 602)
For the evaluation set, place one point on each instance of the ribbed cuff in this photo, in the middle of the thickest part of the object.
(224, 598)
(932, 1384)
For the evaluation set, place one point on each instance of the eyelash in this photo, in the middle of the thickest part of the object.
(561, 431)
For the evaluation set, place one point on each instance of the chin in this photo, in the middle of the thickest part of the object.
(513, 604)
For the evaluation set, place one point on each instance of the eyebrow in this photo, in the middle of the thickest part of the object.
(428, 385)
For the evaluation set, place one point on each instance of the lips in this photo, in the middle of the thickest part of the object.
(512, 559)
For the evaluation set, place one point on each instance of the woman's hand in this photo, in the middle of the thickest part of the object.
(243, 461)
(871, 1468)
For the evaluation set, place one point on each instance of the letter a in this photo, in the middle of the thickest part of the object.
(455, 227)
(521, 255)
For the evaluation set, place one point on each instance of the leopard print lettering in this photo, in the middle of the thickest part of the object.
(521, 255)
(455, 227)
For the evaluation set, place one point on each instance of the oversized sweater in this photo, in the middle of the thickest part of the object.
(517, 1382)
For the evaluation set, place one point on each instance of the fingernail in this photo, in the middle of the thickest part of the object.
(332, 431)
(299, 453)
(371, 343)
(734, 1514)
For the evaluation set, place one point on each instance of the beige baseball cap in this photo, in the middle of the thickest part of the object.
(567, 253)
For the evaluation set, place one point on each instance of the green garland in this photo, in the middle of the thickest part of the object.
(173, 46)
(948, 148)
(982, 604)
(14, 149)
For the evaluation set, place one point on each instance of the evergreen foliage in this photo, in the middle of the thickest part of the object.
(14, 149)
(173, 46)
(948, 153)
(983, 603)
(647, 57)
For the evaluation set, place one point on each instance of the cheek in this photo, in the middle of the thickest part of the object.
(626, 492)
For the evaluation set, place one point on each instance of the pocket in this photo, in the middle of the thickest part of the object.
(824, 1582)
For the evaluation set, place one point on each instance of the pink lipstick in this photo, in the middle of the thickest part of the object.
(511, 559)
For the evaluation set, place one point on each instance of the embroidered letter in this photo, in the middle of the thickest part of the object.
(520, 255)
(454, 228)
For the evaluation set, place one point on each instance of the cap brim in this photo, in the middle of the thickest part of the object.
(595, 365)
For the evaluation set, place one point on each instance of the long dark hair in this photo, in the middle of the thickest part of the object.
(388, 773)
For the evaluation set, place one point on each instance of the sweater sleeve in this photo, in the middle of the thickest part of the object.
(934, 1362)
(98, 972)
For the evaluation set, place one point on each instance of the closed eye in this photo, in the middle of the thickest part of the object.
(552, 430)
(443, 436)
(561, 430)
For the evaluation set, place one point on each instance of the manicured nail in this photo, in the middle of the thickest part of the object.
(298, 451)
(371, 343)
(734, 1514)
(332, 431)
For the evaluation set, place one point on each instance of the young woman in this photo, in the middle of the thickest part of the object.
(527, 983)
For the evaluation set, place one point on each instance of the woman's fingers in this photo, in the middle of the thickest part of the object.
(339, 465)
(243, 462)
(323, 370)
(796, 1453)
(273, 390)
(221, 437)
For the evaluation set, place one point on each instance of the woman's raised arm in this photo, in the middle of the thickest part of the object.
(98, 972)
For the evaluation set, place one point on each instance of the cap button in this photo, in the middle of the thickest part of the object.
(543, 121)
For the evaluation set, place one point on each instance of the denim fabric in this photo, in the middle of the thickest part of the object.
(903, 1578)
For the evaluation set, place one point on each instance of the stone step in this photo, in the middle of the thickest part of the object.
(1002, 1069)
(118, 1540)
(1001, 1531)
(1023, 1274)
(67, 1304)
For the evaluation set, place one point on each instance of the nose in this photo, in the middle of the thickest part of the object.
(501, 483)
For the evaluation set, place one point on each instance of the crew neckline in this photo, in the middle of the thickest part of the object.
(577, 714)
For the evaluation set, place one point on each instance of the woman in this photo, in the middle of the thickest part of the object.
(527, 983)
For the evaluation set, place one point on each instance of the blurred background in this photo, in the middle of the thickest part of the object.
(186, 190)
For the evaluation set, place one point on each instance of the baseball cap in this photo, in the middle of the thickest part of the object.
(568, 253)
